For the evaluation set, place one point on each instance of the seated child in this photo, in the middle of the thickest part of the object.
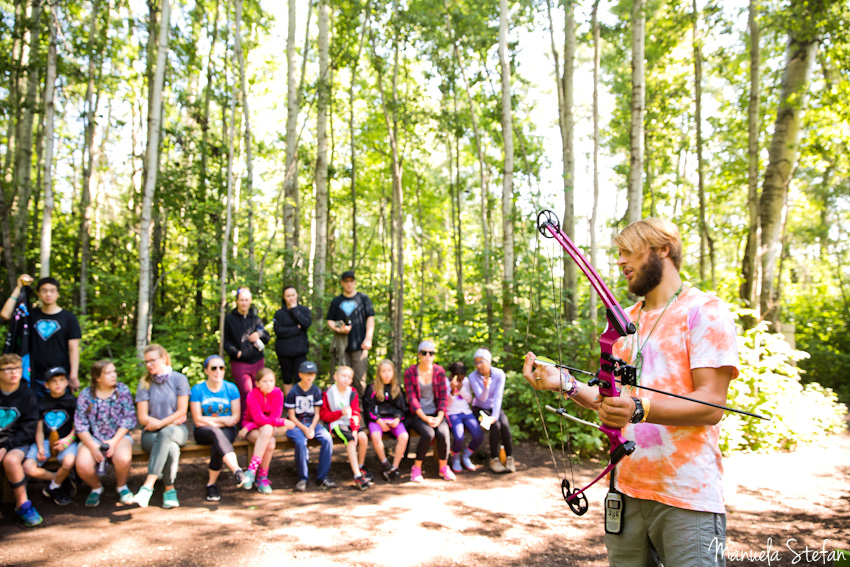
(18, 421)
(341, 411)
(104, 417)
(301, 403)
(261, 423)
(461, 418)
(385, 408)
(54, 435)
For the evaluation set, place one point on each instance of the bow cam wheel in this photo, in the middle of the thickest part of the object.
(575, 500)
(547, 218)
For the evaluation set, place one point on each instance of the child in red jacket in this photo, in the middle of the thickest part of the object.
(341, 411)
(261, 422)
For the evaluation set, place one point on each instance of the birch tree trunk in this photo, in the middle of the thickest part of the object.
(248, 194)
(321, 242)
(635, 208)
(507, 180)
(351, 134)
(749, 287)
(228, 223)
(597, 56)
(782, 158)
(152, 166)
(706, 244)
(457, 229)
(49, 111)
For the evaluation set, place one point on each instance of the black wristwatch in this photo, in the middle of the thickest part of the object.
(637, 417)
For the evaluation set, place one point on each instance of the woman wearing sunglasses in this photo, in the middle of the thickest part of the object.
(216, 408)
(427, 400)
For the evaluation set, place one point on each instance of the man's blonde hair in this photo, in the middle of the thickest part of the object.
(653, 233)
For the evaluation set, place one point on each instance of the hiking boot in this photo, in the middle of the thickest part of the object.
(169, 499)
(447, 473)
(416, 474)
(241, 478)
(93, 499)
(143, 497)
(496, 466)
(510, 465)
(455, 461)
(213, 495)
(327, 484)
(366, 473)
(300, 486)
(28, 514)
(467, 460)
(264, 486)
(361, 482)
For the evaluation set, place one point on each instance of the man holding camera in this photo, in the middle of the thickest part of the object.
(350, 314)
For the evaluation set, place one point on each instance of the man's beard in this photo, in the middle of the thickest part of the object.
(649, 276)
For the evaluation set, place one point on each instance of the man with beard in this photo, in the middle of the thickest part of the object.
(671, 486)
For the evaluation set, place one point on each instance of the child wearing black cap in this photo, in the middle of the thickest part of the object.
(302, 402)
(54, 435)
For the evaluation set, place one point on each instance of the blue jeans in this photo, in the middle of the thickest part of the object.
(461, 422)
(301, 451)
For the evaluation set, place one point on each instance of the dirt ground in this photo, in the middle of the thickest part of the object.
(778, 505)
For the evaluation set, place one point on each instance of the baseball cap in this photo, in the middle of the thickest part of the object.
(347, 274)
(308, 367)
(55, 371)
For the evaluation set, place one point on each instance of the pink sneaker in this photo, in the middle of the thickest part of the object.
(416, 474)
(447, 473)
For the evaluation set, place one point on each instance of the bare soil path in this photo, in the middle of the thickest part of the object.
(778, 504)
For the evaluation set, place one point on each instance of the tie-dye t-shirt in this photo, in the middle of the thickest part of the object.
(679, 466)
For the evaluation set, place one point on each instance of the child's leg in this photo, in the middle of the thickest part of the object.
(266, 433)
(31, 466)
(400, 447)
(67, 458)
(86, 465)
(325, 454)
(505, 433)
(474, 429)
(456, 424)
(269, 452)
(14, 467)
(351, 451)
(362, 445)
(300, 441)
(377, 435)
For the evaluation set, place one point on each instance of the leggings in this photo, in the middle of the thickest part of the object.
(465, 421)
(500, 433)
(220, 440)
(164, 449)
(427, 435)
(289, 367)
(243, 377)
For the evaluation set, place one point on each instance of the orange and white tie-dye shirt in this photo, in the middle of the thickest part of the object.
(679, 466)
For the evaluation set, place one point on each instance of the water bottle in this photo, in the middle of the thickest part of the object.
(101, 466)
(53, 438)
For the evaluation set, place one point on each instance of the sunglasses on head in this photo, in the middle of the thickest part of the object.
(427, 352)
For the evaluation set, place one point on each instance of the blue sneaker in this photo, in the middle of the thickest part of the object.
(251, 476)
(28, 514)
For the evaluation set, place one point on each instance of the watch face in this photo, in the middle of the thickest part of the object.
(638, 415)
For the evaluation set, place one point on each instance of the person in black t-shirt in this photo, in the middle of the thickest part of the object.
(351, 316)
(291, 344)
(56, 336)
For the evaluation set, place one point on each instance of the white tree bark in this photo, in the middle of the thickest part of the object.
(228, 223)
(507, 177)
(635, 208)
(246, 117)
(49, 112)
(152, 166)
(321, 239)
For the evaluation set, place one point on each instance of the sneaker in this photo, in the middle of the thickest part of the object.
(70, 485)
(169, 499)
(300, 486)
(394, 474)
(143, 497)
(466, 460)
(416, 474)
(125, 496)
(366, 473)
(250, 476)
(242, 480)
(327, 484)
(447, 473)
(496, 465)
(510, 465)
(387, 470)
(28, 514)
(264, 486)
(93, 499)
(455, 460)
(361, 482)
(213, 495)
(59, 495)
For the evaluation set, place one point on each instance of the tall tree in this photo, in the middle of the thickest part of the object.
(320, 255)
(597, 51)
(152, 169)
(507, 179)
(784, 146)
(246, 118)
(749, 287)
(228, 223)
(49, 112)
(706, 243)
(638, 102)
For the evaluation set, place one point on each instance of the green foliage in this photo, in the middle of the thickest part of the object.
(769, 384)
